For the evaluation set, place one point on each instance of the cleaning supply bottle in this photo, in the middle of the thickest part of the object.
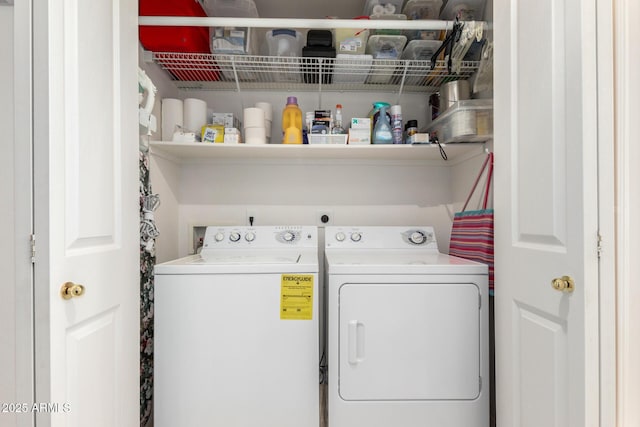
(396, 124)
(382, 130)
(337, 128)
(292, 122)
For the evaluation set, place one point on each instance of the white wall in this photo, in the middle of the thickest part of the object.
(7, 240)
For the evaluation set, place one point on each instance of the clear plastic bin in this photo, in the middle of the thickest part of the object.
(286, 44)
(384, 47)
(231, 8)
(352, 68)
(231, 40)
(283, 42)
(351, 41)
(422, 9)
(394, 17)
(389, 7)
(327, 139)
(465, 121)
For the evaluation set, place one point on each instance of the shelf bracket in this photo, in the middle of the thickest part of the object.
(235, 74)
(404, 76)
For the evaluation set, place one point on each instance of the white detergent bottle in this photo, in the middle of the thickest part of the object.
(382, 131)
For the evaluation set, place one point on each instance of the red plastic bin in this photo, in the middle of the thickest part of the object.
(173, 39)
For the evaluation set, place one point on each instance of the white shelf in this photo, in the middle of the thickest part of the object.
(202, 152)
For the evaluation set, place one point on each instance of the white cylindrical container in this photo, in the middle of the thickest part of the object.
(255, 135)
(253, 117)
(172, 116)
(268, 110)
(396, 124)
(195, 115)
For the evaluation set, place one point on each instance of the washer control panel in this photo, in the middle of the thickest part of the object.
(381, 237)
(260, 237)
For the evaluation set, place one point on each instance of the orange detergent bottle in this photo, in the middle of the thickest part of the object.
(292, 122)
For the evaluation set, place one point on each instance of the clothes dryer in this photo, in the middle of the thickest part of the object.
(407, 331)
(236, 331)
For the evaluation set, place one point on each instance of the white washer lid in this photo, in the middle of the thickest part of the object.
(243, 262)
(375, 261)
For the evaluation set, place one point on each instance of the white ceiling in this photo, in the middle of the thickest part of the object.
(309, 8)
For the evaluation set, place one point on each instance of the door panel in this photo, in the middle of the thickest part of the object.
(409, 341)
(545, 201)
(541, 360)
(86, 211)
(540, 128)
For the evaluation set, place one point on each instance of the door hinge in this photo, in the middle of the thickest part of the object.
(599, 245)
(32, 239)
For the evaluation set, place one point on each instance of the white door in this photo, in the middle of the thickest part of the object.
(397, 345)
(86, 212)
(546, 213)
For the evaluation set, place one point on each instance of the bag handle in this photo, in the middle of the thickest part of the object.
(487, 162)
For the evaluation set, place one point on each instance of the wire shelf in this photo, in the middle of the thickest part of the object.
(198, 71)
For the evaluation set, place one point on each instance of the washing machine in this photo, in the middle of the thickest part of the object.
(236, 331)
(407, 331)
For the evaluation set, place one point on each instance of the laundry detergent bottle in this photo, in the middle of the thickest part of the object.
(292, 122)
(382, 130)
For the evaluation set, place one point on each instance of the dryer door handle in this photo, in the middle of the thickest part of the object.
(355, 344)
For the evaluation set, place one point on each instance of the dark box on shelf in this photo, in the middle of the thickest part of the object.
(313, 66)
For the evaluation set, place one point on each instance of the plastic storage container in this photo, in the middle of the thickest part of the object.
(318, 46)
(384, 47)
(394, 17)
(351, 41)
(422, 9)
(465, 121)
(352, 68)
(231, 40)
(419, 50)
(469, 10)
(379, 7)
(173, 39)
(283, 42)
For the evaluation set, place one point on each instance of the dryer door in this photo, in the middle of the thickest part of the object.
(407, 341)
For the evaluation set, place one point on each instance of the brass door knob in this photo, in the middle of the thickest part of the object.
(563, 284)
(70, 290)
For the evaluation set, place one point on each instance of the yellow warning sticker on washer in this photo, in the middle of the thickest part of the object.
(296, 297)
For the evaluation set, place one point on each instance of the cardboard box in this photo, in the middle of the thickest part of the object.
(212, 133)
(361, 123)
(359, 136)
(226, 120)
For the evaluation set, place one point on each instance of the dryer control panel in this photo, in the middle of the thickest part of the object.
(260, 237)
(381, 237)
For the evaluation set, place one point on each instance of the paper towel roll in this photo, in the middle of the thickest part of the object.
(195, 114)
(268, 109)
(172, 110)
(253, 117)
(255, 135)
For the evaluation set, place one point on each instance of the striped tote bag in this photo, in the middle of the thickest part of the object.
(472, 231)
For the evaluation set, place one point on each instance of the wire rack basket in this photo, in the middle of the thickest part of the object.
(198, 71)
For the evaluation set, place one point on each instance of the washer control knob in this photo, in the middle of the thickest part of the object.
(418, 238)
(340, 236)
(234, 236)
(288, 236)
(219, 237)
(250, 236)
(356, 237)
